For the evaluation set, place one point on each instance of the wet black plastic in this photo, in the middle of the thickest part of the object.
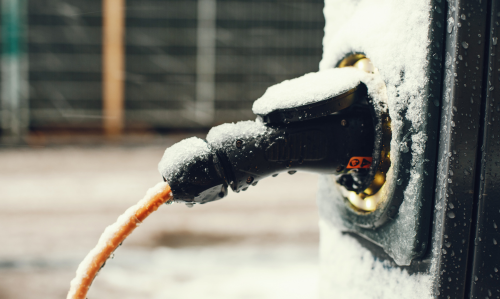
(199, 181)
(322, 145)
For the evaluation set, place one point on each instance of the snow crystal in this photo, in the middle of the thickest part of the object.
(180, 154)
(349, 270)
(221, 135)
(310, 88)
(394, 34)
(108, 234)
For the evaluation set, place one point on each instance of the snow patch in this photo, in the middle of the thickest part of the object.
(222, 272)
(180, 154)
(225, 134)
(349, 270)
(394, 34)
(371, 28)
(308, 89)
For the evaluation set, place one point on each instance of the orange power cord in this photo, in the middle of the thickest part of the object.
(80, 288)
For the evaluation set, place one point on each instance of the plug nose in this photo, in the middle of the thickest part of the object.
(193, 172)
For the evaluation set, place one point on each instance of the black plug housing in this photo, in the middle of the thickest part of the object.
(307, 138)
(199, 180)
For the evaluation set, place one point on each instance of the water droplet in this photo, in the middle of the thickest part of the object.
(189, 204)
(494, 40)
(451, 214)
(495, 269)
(451, 205)
(447, 244)
(495, 225)
(462, 17)
(494, 241)
(476, 278)
(465, 45)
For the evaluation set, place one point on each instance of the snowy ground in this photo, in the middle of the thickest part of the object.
(55, 202)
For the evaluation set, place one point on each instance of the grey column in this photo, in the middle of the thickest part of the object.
(205, 62)
(14, 67)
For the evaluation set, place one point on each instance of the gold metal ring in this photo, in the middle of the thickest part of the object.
(369, 200)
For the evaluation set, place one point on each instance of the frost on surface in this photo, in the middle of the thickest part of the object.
(308, 89)
(221, 135)
(350, 271)
(394, 34)
(180, 154)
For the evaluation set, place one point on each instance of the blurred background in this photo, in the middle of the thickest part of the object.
(91, 94)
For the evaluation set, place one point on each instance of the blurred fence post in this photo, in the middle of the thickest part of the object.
(15, 88)
(205, 62)
(113, 66)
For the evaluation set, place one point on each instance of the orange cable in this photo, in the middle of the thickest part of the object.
(79, 291)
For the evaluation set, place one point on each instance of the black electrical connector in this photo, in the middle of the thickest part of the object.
(325, 142)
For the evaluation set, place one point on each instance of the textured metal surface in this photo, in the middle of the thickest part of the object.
(484, 278)
(458, 145)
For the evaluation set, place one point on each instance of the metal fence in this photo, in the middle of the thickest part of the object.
(188, 63)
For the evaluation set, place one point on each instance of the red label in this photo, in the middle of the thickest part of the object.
(360, 162)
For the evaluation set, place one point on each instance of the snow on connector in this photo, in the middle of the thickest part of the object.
(182, 153)
(224, 134)
(308, 89)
